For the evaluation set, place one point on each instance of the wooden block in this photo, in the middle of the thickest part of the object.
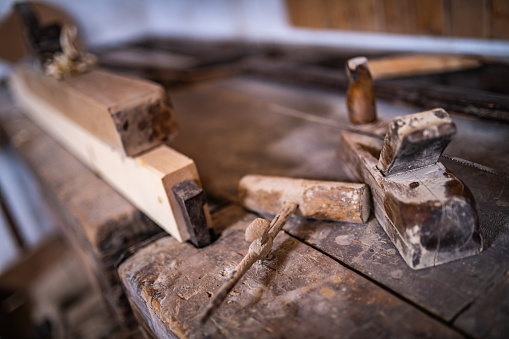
(191, 199)
(428, 213)
(146, 180)
(326, 200)
(128, 114)
(415, 141)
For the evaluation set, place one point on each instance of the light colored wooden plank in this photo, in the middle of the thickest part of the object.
(146, 180)
(409, 65)
(131, 115)
(307, 13)
(430, 17)
(500, 19)
(467, 18)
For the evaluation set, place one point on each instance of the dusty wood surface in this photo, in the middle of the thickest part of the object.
(287, 130)
(99, 223)
(131, 115)
(445, 291)
(146, 180)
(299, 293)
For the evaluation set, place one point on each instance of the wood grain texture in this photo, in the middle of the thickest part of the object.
(445, 290)
(487, 316)
(170, 283)
(146, 181)
(500, 19)
(400, 16)
(308, 13)
(325, 200)
(130, 115)
(98, 222)
(430, 17)
(468, 18)
(361, 15)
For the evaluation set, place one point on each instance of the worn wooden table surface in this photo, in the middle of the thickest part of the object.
(325, 278)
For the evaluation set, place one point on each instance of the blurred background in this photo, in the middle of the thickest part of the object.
(29, 238)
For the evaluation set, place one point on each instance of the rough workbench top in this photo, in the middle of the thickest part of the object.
(326, 278)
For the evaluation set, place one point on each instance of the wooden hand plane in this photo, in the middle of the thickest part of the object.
(428, 213)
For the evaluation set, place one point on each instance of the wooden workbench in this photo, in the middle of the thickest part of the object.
(325, 279)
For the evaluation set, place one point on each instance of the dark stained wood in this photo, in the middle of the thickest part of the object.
(477, 103)
(487, 316)
(170, 283)
(193, 203)
(428, 213)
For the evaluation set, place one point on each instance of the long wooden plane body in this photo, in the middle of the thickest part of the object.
(428, 213)
(147, 180)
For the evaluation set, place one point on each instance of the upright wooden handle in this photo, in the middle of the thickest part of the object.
(360, 97)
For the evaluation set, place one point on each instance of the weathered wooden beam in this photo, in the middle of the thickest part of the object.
(428, 213)
(146, 181)
(169, 284)
(130, 115)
